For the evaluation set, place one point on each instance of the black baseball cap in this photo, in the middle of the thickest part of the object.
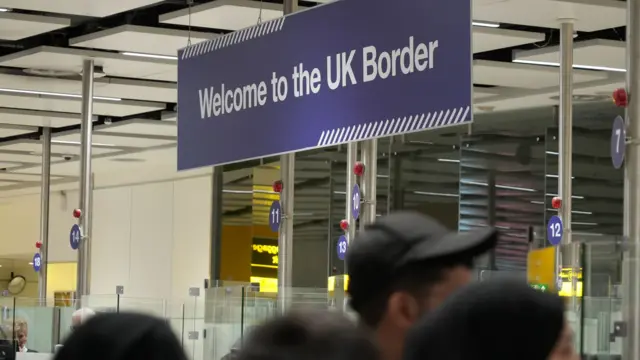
(400, 239)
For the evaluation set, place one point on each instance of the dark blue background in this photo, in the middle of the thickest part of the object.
(309, 37)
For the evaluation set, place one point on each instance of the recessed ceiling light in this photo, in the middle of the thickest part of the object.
(485, 24)
(46, 93)
(152, 56)
(575, 66)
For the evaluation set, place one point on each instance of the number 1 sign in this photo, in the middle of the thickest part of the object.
(618, 138)
(554, 230)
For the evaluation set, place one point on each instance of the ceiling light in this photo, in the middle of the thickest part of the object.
(583, 223)
(485, 24)
(340, 192)
(507, 187)
(4, 10)
(30, 263)
(63, 142)
(426, 193)
(575, 212)
(573, 197)
(538, 202)
(46, 93)
(575, 66)
(449, 160)
(552, 153)
(556, 176)
(383, 176)
(152, 56)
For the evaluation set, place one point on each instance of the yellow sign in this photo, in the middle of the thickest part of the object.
(331, 283)
(540, 267)
(267, 285)
(567, 275)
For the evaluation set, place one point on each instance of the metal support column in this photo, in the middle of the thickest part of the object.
(44, 213)
(631, 278)
(491, 214)
(566, 127)
(285, 237)
(352, 155)
(396, 181)
(330, 223)
(369, 153)
(568, 253)
(84, 255)
(217, 184)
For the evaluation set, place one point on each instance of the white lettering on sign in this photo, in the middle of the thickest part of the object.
(410, 58)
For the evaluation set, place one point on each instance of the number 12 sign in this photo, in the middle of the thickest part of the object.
(554, 230)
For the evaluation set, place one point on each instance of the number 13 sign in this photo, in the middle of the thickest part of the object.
(554, 230)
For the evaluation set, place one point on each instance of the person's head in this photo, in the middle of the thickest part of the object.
(310, 335)
(122, 336)
(80, 316)
(406, 264)
(495, 320)
(21, 332)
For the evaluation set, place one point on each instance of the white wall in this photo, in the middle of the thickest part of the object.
(152, 238)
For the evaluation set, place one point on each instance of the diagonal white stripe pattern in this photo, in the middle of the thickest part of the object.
(233, 38)
(399, 125)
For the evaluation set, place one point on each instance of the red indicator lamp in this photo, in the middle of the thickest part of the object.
(556, 203)
(277, 186)
(344, 225)
(358, 168)
(38, 244)
(620, 98)
(77, 213)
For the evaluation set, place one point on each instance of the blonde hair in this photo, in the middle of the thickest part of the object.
(20, 326)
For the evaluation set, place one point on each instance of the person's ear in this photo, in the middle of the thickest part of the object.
(403, 309)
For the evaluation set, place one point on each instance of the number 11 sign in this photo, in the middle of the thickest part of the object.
(275, 214)
(554, 230)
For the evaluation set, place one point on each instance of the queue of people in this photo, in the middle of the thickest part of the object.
(410, 284)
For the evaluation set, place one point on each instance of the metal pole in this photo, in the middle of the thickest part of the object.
(44, 214)
(217, 184)
(285, 236)
(330, 223)
(352, 155)
(369, 179)
(84, 255)
(631, 281)
(565, 127)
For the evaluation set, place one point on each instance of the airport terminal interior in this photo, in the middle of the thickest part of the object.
(198, 246)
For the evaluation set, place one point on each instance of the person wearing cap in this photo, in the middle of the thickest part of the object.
(403, 266)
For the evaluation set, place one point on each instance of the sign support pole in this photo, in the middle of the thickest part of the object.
(370, 160)
(631, 280)
(44, 213)
(84, 255)
(285, 237)
(565, 157)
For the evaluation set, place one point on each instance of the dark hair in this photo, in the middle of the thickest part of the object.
(310, 335)
(416, 279)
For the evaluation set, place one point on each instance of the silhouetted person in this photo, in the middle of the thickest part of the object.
(308, 335)
(122, 337)
(404, 265)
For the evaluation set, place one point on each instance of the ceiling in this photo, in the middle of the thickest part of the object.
(515, 44)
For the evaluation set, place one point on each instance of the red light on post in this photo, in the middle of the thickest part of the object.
(556, 203)
(277, 186)
(77, 213)
(38, 244)
(344, 225)
(620, 98)
(358, 168)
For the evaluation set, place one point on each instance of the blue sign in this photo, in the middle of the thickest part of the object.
(554, 230)
(275, 215)
(74, 236)
(355, 202)
(342, 247)
(618, 142)
(329, 75)
(37, 262)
